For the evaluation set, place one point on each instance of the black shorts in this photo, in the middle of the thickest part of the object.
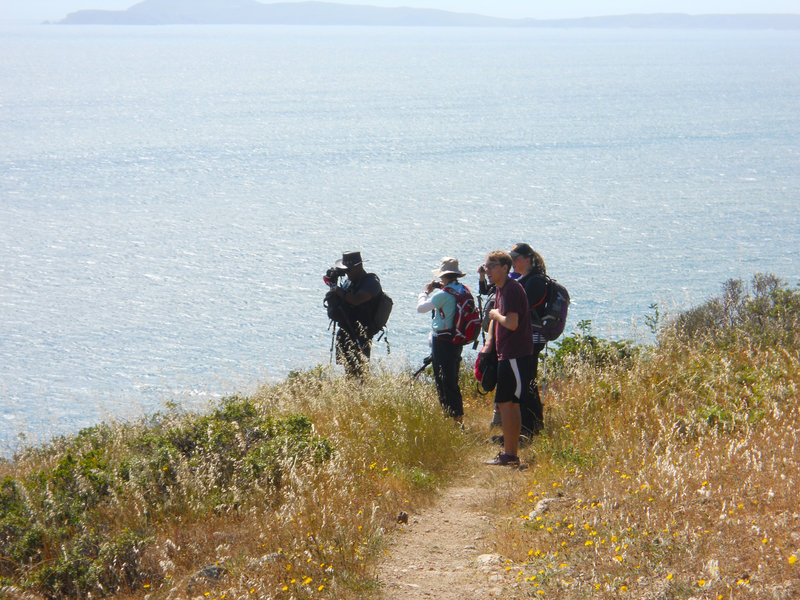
(513, 379)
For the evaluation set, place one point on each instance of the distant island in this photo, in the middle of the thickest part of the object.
(251, 12)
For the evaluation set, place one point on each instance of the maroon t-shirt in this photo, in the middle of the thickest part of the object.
(511, 298)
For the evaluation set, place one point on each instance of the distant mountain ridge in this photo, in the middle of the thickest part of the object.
(251, 12)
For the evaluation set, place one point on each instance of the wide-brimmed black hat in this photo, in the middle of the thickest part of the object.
(349, 260)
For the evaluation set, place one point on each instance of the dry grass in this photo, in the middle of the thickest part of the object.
(668, 473)
(676, 478)
(302, 528)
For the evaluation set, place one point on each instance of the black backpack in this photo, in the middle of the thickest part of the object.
(380, 313)
(549, 315)
(373, 315)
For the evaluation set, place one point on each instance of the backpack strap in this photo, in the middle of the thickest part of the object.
(541, 303)
(546, 288)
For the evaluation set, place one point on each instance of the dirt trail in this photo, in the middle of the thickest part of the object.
(443, 552)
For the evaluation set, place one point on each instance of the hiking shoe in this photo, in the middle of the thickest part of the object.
(503, 460)
(497, 421)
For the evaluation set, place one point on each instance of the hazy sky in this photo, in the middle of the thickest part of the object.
(40, 10)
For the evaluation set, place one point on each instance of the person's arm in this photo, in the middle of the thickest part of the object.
(424, 303)
(483, 286)
(367, 290)
(488, 345)
(425, 300)
(360, 297)
(509, 321)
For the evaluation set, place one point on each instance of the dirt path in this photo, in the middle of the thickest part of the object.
(443, 552)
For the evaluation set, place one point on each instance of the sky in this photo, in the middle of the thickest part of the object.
(41, 10)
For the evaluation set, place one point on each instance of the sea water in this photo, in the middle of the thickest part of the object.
(170, 197)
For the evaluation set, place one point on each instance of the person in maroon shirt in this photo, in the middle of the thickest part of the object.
(511, 336)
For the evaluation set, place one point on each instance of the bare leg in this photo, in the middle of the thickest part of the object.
(512, 425)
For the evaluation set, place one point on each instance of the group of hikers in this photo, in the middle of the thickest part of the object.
(516, 285)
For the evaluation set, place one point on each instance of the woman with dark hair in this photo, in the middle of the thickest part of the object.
(530, 265)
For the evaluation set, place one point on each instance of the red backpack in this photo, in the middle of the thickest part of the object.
(467, 320)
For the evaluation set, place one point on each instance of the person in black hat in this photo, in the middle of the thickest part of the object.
(530, 265)
(358, 297)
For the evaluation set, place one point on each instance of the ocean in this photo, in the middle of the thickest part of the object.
(170, 197)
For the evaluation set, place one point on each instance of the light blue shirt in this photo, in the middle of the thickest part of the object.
(443, 305)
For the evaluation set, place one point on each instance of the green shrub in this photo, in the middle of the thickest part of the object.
(118, 562)
(766, 313)
(20, 538)
(91, 564)
(585, 349)
(58, 532)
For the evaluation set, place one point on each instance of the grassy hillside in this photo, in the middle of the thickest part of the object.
(663, 472)
(673, 471)
(284, 494)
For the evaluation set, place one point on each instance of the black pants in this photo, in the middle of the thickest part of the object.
(352, 354)
(446, 365)
(531, 408)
